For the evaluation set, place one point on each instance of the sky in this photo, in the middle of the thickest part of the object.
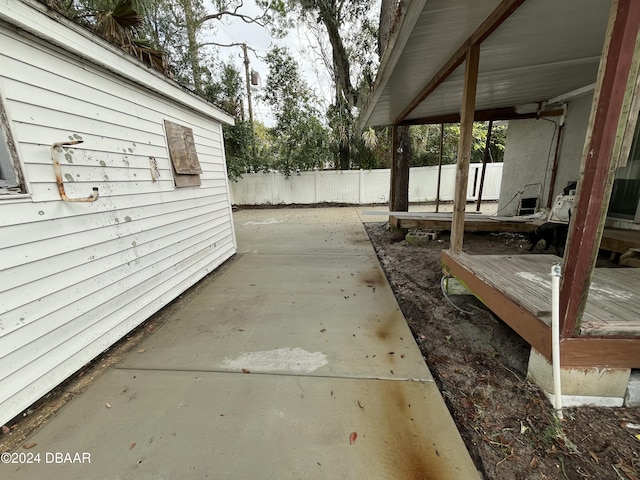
(300, 41)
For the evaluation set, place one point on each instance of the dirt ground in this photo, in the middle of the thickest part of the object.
(480, 366)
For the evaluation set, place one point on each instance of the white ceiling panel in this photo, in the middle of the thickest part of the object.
(544, 49)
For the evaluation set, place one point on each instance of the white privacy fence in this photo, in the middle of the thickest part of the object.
(360, 186)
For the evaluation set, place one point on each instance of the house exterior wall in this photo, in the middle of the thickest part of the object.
(528, 160)
(530, 150)
(76, 277)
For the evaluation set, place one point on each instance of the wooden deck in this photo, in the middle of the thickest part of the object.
(613, 239)
(472, 222)
(518, 289)
(620, 241)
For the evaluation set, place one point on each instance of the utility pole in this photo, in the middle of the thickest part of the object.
(246, 71)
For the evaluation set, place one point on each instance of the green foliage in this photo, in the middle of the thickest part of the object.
(299, 140)
(372, 150)
(426, 143)
(228, 90)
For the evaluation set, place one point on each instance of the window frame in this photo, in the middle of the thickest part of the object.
(11, 178)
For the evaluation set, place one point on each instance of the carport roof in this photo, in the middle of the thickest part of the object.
(531, 51)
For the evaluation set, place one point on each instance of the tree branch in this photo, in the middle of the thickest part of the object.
(259, 20)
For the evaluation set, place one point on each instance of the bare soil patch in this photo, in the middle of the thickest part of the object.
(480, 365)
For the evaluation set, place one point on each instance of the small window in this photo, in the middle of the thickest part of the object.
(184, 158)
(10, 181)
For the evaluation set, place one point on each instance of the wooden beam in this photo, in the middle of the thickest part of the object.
(617, 79)
(464, 148)
(491, 23)
(506, 113)
(554, 169)
(603, 352)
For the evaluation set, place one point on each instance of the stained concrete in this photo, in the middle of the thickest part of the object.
(296, 362)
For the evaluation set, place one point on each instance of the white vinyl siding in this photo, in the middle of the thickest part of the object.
(76, 277)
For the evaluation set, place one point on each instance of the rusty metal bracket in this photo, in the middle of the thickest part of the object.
(56, 167)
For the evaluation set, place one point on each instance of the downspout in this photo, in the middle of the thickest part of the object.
(56, 168)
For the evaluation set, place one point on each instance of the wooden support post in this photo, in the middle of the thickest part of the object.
(611, 114)
(486, 156)
(440, 166)
(554, 169)
(464, 147)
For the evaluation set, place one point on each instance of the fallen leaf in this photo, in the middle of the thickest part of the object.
(594, 456)
(132, 445)
(108, 405)
(534, 462)
(245, 370)
(241, 330)
(359, 404)
(5, 429)
(323, 330)
(151, 439)
(27, 446)
(402, 355)
(352, 438)
(142, 350)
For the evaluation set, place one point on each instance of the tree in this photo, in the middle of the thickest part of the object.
(299, 139)
(227, 93)
(184, 27)
(351, 31)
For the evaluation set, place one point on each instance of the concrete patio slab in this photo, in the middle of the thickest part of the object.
(168, 425)
(342, 308)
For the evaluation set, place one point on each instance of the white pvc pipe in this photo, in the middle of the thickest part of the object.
(556, 273)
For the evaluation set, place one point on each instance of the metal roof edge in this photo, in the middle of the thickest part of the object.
(397, 42)
(40, 21)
